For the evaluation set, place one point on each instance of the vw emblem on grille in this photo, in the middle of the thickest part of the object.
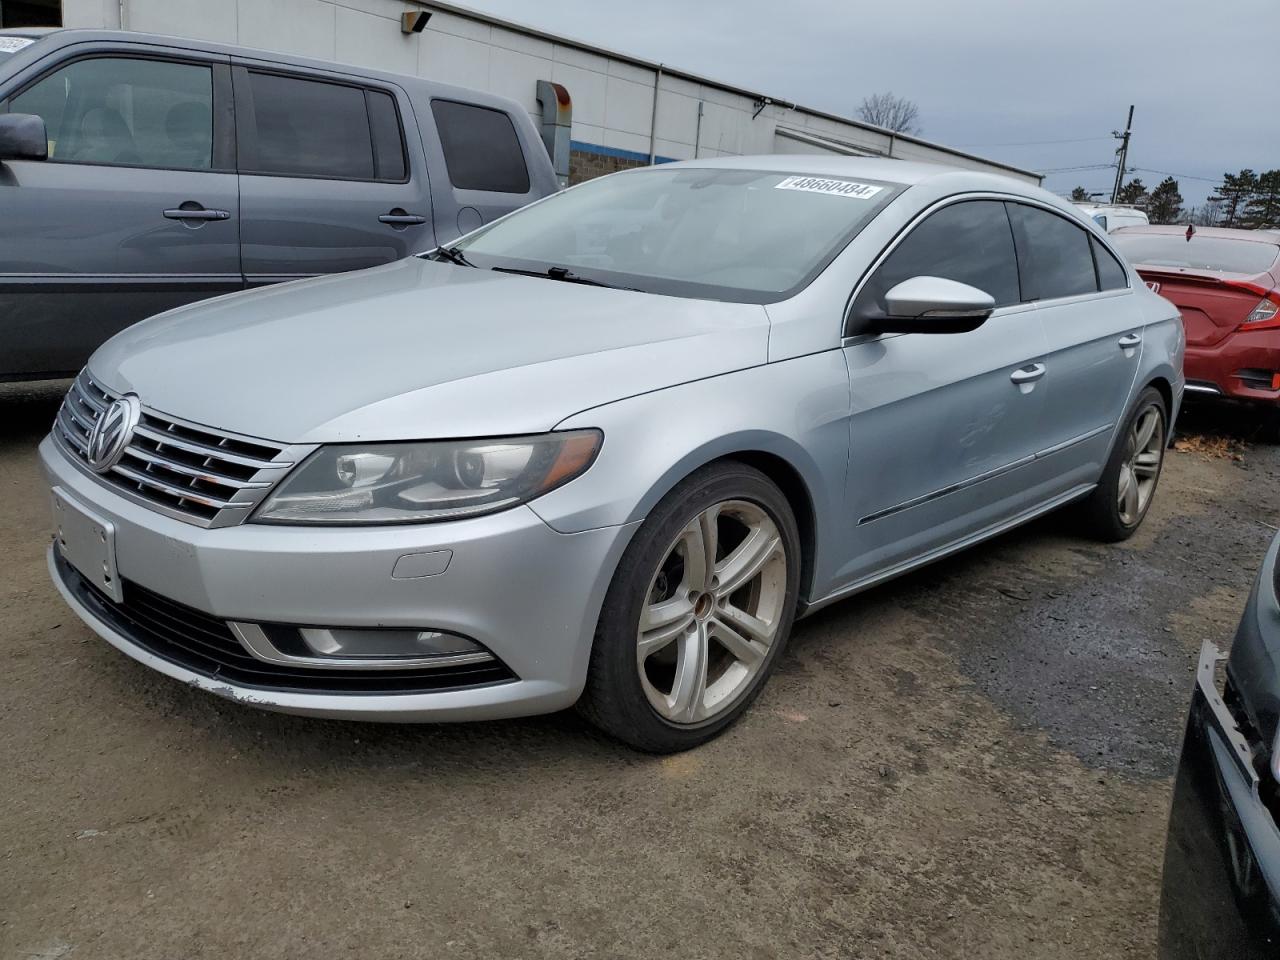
(112, 432)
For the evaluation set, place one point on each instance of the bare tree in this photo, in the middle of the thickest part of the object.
(891, 112)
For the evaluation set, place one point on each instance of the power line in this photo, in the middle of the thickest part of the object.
(1031, 143)
(1087, 166)
(1180, 176)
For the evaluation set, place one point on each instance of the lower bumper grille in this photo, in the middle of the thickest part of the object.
(203, 644)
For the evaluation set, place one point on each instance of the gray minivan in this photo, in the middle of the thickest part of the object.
(139, 173)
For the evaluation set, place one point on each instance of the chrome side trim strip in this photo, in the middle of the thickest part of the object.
(955, 546)
(982, 477)
(1202, 388)
(254, 639)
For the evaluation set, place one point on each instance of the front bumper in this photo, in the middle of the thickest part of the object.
(1216, 367)
(527, 593)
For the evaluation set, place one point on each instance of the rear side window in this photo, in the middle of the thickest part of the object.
(1053, 254)
(1111, 275)
(481, 149)
(307, 128)
(388, 142)
(969, 242)
(128, 112)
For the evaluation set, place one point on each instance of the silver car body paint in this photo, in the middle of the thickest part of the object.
(906, 447)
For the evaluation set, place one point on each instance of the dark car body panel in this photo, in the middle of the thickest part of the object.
(1221, 887)
(87, 248)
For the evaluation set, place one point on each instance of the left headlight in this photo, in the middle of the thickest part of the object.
(418, 482)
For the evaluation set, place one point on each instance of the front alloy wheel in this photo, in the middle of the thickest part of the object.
(712, 612)
(698, 611)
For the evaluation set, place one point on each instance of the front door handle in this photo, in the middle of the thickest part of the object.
(1129, 341)
(1025, 377)
(401, 218)
(196, 212)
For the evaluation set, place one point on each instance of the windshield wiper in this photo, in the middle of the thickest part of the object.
(563, 274)
(451, 255)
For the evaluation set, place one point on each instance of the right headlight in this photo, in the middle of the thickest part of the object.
(424, 481)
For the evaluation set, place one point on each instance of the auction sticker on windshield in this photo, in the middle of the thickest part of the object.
(14, 44)
(837, 188)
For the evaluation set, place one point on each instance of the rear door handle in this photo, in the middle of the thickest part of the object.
(1129, 341)
(197, 213)
(1028, 374)
(400, 218)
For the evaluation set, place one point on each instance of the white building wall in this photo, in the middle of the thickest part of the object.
(612, 95)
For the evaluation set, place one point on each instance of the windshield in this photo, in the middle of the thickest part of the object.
(1199, 253)
(9, 45)
(742, 235)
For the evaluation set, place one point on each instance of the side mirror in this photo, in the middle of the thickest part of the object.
(23, 137)
(934, 305)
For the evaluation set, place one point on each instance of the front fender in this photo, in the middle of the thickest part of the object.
(796, 410)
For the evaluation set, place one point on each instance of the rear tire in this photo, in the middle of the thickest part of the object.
(698, 612)
(1116, 507)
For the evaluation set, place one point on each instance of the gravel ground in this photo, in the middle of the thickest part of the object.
(973, 761)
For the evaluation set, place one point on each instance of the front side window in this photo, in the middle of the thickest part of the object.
(969, 242)
(481, 149)
(129, 112)
(747, 236)
(1054, 257)
(307, 128)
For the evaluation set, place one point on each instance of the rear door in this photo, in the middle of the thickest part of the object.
(135, 211)
(1093, 336)
(332, 175)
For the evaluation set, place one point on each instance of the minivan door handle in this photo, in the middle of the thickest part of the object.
(401, 218)
(196, 212)
(1026, 377)
(1129, 341)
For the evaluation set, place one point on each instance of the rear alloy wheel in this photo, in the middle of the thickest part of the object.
(698, 611)
(1128, 484)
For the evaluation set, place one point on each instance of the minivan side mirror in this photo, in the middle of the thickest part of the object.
(934, 305)
(23, 137)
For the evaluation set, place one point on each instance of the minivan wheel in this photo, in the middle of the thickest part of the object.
(698, 613)
(1118, 504)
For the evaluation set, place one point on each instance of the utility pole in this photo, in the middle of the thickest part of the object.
(1123, 153)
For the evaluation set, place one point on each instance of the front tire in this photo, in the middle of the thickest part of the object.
(698, 612)
(1117, 506)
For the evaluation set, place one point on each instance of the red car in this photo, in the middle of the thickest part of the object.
(1225, 284)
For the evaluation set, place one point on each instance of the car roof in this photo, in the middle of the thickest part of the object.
(28, 31)
(906, 172)
(1225, 233)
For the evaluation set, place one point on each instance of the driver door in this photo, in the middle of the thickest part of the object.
(943, 426)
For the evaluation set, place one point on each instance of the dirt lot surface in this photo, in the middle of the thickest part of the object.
(973, 761)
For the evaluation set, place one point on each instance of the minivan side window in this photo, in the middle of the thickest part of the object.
(969, 242)
(481, 149)
(1111, 274)
(127, 112)
(1054, 257)
(307, 128)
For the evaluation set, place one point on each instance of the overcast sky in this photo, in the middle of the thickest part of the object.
(986, 73)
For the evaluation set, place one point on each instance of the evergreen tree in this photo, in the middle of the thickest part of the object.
(1079, 195)
(1165, 204)
(1235, 192)
(1134, 192)
(1263, 208)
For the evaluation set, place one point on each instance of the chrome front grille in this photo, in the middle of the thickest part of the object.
(198, 474)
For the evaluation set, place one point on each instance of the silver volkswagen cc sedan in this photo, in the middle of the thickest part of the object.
(606, 449)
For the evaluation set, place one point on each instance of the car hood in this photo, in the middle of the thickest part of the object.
(421, 349)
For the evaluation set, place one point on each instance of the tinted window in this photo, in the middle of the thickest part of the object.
(1053, 254)
(1111, 275)
(967, 242)
(308, 128)
(727, 234)
(481, 148)
(118, 111)
(1198, 253)
(388, 144)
